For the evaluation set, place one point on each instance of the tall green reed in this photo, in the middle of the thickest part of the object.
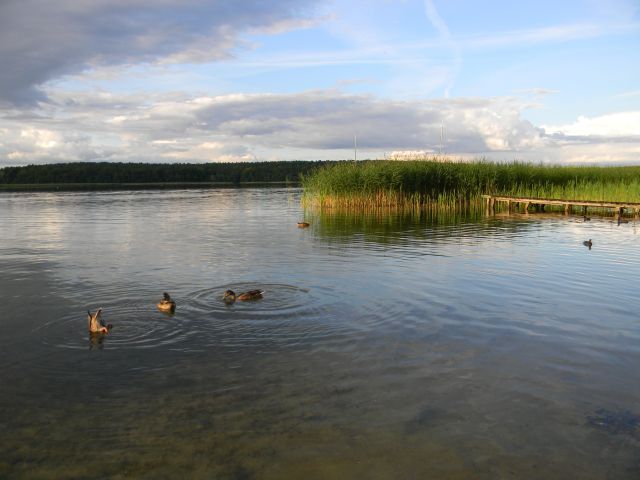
(416, 183)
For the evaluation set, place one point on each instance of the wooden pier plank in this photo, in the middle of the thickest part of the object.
(539, 203)
(557, 201)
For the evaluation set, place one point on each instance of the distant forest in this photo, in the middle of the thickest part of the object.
(122, 173)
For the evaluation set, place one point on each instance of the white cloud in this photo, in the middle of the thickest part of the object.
(311, 125)
(633, 93)
(620, 124)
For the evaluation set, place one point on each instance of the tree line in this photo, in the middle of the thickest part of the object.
(108, 172)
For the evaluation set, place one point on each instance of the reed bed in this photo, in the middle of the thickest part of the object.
(416, 184)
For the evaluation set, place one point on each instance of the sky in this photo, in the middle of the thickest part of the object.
(196, 81)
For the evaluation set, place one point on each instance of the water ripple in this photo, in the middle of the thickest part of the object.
(136, 324)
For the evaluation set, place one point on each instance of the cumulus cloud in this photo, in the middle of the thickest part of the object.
(306, 125)
(620, 124)
(40, 41)
(318, 124)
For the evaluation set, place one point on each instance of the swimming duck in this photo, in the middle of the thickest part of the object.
(303, 224)
(230, 296)
(96, 325)
(588, 243)
(587, 219)
(166, 304)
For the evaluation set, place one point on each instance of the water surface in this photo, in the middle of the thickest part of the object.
(388, 345)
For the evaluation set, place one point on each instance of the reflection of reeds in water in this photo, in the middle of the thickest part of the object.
(454, 185)
(385, 224)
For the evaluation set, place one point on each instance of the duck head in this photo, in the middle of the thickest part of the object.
(229, 296)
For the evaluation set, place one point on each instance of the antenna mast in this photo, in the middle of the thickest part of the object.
(355, 148)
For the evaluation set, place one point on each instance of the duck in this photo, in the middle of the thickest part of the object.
(587, 219)
(230, 296)
(588, 243)
(96, 324)
(166, 304)
(303, 224)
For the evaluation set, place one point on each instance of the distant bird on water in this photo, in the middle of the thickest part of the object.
(166, 304)
(588, 243)
(303, 224)
(587, 219)
(230, 296)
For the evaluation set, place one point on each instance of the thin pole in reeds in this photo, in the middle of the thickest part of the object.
(355, 148)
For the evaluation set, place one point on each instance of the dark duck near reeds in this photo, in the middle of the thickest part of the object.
(588, 243)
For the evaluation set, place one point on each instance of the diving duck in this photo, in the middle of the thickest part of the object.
(96, 325)
(303, 224)
(230, 296)
(588, 243)
(166, 304)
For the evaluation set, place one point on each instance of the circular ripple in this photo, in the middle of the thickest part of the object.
(136, 324)
(278, 300)
(286, 316)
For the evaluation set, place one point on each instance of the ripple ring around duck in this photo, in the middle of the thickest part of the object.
(136, 324)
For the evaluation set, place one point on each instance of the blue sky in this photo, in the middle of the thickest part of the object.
(200, 81)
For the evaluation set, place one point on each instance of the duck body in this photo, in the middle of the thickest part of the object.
(588, 243)
(230, 296)
(303, 224)
(166, 304)
(96, 324)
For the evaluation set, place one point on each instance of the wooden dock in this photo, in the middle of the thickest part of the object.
(539, 203)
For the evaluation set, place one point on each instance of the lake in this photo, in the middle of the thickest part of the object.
(388, 345)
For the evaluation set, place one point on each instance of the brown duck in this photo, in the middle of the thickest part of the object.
(166, 304)
(230, 296)
(96, 324)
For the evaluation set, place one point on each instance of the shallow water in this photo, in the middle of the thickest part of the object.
(389, 345)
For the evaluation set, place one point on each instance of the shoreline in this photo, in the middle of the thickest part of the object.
(70, 187)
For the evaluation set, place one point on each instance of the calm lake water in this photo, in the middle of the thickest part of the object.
(387, 346)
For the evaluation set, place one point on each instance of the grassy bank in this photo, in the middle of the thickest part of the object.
(416, 183)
